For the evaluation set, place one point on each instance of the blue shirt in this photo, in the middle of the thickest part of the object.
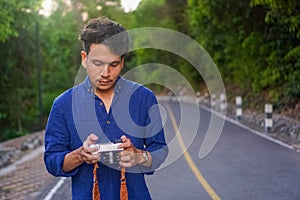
(77, 113)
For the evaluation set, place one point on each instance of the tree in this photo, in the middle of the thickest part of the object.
(60, 45)
(256, 51)
(284, 18)
(60, 56)
(18, 86)
(166, 14)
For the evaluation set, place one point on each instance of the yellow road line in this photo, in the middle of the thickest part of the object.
(189, 160)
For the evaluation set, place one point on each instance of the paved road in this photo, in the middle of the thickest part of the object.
(241, 166)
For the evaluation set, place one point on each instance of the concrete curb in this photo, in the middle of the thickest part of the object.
(237, 123)
(35, 153)
(188, 99)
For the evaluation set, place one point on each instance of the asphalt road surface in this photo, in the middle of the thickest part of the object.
(242, 165)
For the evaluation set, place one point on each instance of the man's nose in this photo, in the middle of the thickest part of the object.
(105, 71)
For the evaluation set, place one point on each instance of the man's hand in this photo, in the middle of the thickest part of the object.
(132, 156)
(82, 154)
(86, 151)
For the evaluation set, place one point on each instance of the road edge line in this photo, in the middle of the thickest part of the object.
(55, 188)
(237, 123)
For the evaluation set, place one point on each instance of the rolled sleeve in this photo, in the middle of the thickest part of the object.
(155, 144)
(57, 142)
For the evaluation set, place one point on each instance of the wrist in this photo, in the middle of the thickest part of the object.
(144, 157)
(76, 155)
(72, 160)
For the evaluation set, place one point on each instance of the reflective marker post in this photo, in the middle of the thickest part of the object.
(213, 101)
(239, 110)
(268, 117)
(198, 96)
(206, 97)
(223, 103)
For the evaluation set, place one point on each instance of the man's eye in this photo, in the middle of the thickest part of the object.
(114, 64)
(98, 64)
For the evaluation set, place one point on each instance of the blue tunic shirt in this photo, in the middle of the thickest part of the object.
(77, 113)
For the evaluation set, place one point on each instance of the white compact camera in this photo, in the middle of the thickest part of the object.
(109, 152)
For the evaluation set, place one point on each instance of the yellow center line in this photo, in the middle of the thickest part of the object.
(189, 160)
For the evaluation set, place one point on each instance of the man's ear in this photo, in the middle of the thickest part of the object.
(83, 58)
(123, 62)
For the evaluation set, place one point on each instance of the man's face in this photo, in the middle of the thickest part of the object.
(103, 67)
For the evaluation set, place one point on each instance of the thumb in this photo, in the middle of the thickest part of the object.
(91, 139)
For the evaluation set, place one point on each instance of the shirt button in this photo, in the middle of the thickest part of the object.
(101, 104)
(107, 122)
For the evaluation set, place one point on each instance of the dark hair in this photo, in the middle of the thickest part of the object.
(105, 31)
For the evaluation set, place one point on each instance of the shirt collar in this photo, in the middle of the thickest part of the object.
(88, 85)
(119, 85)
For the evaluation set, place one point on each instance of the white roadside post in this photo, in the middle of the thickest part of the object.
(206, 98)
(239, 109)
(198, 95)
(213, 101)
(223, 103)
(268, 117)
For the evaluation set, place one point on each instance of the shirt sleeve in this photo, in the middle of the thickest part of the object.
(57, 141)
(154, 140)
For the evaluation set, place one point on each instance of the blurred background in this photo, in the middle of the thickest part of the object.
(254, 43)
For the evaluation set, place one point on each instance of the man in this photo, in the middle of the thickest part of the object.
(104, 108)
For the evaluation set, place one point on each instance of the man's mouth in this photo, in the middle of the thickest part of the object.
(104, 82)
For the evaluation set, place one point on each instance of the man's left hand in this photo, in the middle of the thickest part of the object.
(130, 156)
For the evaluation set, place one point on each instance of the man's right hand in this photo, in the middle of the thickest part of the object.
(82, 154)
(86, 151)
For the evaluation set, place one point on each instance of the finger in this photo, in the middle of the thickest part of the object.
(84, 152)
(126, 142)
(90, 158)
(90, 149)
(123, 138)
(93, 148)
(92, 161)
(126, 158)
(91, 139)
(126, 164)
(124, 153)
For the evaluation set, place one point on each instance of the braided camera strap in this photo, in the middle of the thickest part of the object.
(96, 191)
(123, 189)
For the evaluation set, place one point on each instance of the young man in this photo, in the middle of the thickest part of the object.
(104, 108)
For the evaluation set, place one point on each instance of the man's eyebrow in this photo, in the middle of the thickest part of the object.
(97, 60)
(116, 61)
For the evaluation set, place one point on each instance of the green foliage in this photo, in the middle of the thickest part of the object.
(18, 83)
(293, 85)
(257, 51)
(148, 12)
(59, 51)
(293, 54)
(11, 133)
(255, 44)
(6, 18)
(172, 15)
